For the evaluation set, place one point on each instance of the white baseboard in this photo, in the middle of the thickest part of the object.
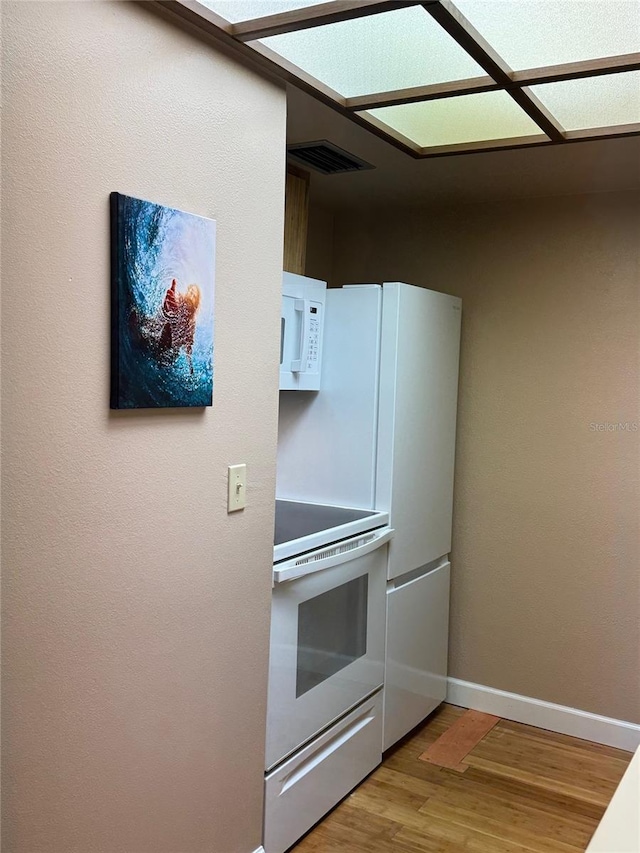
(259, 849)
(544, 715)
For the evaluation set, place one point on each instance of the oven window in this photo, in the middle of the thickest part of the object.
(332, 632)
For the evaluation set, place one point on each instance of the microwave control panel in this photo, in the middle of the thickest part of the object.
(315, 329)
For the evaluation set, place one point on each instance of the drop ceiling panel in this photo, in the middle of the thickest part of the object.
(468, 118)
(613, 99)
(535, 33)
(377, 53)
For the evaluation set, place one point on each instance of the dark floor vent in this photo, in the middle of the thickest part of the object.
(325, 157)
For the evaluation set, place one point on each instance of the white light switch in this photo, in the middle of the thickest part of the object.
(237, 487)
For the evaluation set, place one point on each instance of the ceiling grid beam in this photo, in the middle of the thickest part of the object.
(518, 79)
(470, 40)
(577, 70)
(314, 16)
(434, 92)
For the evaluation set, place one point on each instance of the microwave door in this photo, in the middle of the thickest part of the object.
(301, 323)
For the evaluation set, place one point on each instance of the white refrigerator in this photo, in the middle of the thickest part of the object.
(380, 434)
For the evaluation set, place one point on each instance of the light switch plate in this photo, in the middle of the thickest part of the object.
(237, 487)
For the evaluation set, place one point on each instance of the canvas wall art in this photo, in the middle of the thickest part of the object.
(162, 286)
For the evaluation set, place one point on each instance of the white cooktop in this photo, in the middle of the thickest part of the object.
(302, 527)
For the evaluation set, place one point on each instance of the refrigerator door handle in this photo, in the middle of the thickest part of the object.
(342, 552)
(299, 365)
(415, 575)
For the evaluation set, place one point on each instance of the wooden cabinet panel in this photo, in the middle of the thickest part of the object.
(296, 215)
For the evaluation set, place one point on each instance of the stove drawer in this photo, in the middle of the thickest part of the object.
(311, 782)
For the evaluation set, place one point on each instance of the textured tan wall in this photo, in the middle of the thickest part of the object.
(136, 610)
(546, 580)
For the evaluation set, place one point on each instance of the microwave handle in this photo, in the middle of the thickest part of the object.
(299, 365)
(335, 554)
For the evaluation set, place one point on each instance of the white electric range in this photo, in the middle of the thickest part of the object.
(326, 671)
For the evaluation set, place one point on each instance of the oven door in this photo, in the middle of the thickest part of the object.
(327, 638)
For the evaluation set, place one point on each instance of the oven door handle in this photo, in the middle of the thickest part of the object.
(342, 552)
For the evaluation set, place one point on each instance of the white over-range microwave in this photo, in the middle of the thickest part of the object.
(301, 332)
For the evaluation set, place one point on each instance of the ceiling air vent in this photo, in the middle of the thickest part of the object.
(325, 157)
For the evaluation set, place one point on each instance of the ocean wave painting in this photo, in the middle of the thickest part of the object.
(162, 284)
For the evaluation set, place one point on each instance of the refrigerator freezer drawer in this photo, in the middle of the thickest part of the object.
(416, 659)
(310, 783)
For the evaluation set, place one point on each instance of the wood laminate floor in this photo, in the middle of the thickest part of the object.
(526, 791)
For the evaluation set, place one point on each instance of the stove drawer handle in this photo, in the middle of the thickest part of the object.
(327, 750)
(343, 552)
